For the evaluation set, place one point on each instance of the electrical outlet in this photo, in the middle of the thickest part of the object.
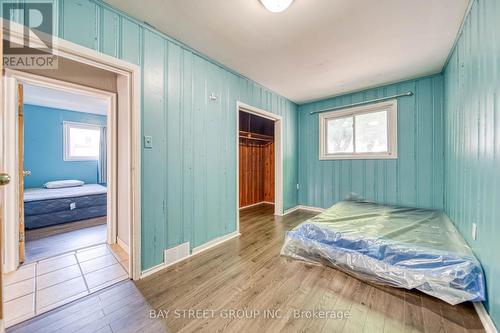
(148, 141)
(474, 231)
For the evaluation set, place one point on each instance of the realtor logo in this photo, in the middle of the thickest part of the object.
(28, 41)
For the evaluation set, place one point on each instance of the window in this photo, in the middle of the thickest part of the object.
(365, 132)
(81, 141)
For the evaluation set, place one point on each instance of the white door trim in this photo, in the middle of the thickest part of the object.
(278, 156)
(14, 78)
(129, 85)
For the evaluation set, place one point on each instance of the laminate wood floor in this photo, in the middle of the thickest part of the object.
(55, 244)
(203, 294)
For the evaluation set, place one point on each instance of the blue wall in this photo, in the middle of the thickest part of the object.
(415, 178)
(189, 177)
(472, 141)
(44, 146)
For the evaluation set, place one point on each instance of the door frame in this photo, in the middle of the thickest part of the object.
(128, 103)
(278, 156)
(12, 79)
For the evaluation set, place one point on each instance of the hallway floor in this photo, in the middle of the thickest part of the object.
(43, 285)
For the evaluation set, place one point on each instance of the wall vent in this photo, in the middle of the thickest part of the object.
(175, 254)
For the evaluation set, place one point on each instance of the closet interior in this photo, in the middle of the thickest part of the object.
(256, 159)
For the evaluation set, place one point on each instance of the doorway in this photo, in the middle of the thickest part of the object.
(64, 240)
(63, 277)
(259, 157)
(63, 200)
(256, 167)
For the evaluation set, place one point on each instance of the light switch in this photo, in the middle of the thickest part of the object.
(148, 141)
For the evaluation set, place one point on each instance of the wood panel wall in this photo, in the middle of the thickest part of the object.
(472, 141)
(189, 176)
(256, 173)
(414, 179)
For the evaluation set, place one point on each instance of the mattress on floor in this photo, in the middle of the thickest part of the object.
(397, 246)
(63, 204)
(46, 207)
(39, 194)
(60, 217)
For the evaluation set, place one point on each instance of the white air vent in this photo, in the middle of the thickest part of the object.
(175, 254)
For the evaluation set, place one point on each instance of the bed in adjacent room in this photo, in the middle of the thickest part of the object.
(397, 246)
(45, 207)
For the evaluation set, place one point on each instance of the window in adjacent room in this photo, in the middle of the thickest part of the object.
(81, 141)
(365, 132)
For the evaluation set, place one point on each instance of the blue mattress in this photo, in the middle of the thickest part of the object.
(397, 246)
(46, 207)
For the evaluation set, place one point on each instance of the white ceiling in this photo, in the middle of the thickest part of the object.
(316, 48)
(53, 98)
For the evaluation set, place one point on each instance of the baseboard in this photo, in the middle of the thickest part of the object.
(257, 204)
(194, 251)
(291, 210)
(303, 207)
(152, 270)
(123, 245)
(488, 324)
(214, 242)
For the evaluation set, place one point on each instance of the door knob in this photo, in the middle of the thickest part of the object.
(27, 173)
(4, 179)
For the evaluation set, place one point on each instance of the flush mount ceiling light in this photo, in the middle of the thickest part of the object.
(276, 6)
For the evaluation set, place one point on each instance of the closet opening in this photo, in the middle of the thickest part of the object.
(256, 160)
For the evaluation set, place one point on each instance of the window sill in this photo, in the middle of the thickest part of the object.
(79, 159)
(358, 157)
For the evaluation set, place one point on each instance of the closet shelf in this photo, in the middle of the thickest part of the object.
(256, 136)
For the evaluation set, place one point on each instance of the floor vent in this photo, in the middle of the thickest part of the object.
(175, 254)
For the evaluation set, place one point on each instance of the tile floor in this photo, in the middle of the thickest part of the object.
(41, 286)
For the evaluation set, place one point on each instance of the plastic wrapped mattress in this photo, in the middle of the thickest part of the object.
(397, 246)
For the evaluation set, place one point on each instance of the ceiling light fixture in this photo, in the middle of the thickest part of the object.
(276, 6)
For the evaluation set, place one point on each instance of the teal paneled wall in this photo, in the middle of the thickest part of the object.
(414, 179)
(472, 141)
(189, 176)
(44, 146)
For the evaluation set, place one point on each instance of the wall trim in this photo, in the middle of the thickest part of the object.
(123, 245)
(199, 249)
(489, 325)
(278, 157)
(303, 207)
(12, 78)
(214, 242)
(152, 270)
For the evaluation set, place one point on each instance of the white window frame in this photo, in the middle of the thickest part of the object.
(66, 126)
(392, 131)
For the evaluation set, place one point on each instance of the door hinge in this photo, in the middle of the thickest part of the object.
(21, 237)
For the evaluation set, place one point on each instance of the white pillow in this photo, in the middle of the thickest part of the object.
(63, 183)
